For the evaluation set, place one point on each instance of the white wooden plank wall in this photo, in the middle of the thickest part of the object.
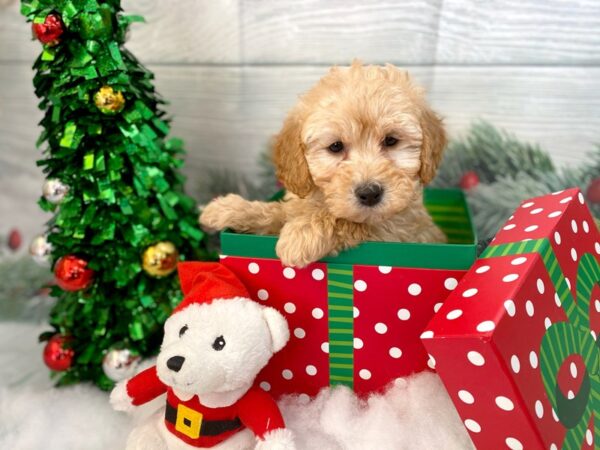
(231, 69)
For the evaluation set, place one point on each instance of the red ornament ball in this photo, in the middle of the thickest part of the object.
(15, 239)
(56, 355)
(50, 31)
(72, 274)
(593, 191)
(469, 180)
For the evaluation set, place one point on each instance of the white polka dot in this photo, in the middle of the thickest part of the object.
(554, 416)
(547, 323)
(510, 277)
(358, 343)
(470, 292)
(289, 308)
(510, 226)
(265, 386)
(527, 205)
(540, 286)
(403, 314)
(536, 211)
(253, 268)
(566, 200)
(580, 198)
(325, 347)
(318, 274)
(431, 362)
(287, 374)
(318, 313)
(573, 369)
(381, 328)
(593, 333)
(510, 307)
(505, 403)
(568, 283)
(437, 307)
(482, 269)
(518, 261)
(589, 437)
(553, 447)
(385, 269)
(262, 294)
(515, 364)
(427, 334)
(466, 397)
(476, 358)
(558, 192)
(414, 289)
(574, 226)
(529, 308)
(364, 374)
(311, 370)
(289, 273)
(299, 333)
(597, 247)
(585, 226)
(223, 256)
(472, 426)
(539, 409)
(513, 443)
(487, 325)
(304, 399)
(557, 237)
(554, 214)
(450, 283)
(533, 359)
(395, 352)
(597, 304)
(360, 285)
(454, 314)
(355, 312)
(531, 228)
(557, 300)
(570, 395)
(574, 254)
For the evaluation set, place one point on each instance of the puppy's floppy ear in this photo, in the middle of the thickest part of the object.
(434, 142)
(288, 157)
(278, 327)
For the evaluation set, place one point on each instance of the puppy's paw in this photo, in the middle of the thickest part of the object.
(297, 249)
(223, 212)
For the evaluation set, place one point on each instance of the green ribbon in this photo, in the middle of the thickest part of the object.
(564, 339)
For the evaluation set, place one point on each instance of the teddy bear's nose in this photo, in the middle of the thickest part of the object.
(175, 362)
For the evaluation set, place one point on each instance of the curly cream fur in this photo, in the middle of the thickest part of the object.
(358, 106)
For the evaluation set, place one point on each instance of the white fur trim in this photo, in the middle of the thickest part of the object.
(280, 439)
(280, 333)
(120, 399)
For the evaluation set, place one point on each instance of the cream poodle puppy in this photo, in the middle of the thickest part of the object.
(353, 156)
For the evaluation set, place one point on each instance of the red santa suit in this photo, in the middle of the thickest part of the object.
(201, 426)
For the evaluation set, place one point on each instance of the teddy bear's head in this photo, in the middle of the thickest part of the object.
(218, 344)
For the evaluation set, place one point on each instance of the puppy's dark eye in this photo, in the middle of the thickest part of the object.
(183, 330)
(390, 141)
(336, 147)
(219, 344)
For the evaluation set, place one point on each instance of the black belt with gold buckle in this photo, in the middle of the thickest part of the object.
(208, 427)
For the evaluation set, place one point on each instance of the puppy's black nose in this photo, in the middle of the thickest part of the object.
(369, 194)
(175, 362)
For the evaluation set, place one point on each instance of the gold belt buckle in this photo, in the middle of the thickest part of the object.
(188, 421)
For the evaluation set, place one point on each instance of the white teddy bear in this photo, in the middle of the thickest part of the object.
(215, 343)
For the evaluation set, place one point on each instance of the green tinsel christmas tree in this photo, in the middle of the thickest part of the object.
(121, 220)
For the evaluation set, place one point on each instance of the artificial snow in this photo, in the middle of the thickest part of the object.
(415, 413)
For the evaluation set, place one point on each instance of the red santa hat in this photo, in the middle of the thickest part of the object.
(202, 282)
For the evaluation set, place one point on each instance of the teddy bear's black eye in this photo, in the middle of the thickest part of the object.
(336, 147)
(219, 343)
(390, 141)
(183, 330)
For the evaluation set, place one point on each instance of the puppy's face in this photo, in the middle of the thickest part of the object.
(365, 138)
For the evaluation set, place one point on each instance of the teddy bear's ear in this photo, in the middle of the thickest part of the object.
(278, 327)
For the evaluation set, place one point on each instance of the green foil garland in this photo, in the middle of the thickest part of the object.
(125, 189)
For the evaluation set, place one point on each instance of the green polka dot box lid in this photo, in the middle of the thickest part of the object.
(516, 342)
(356, 319)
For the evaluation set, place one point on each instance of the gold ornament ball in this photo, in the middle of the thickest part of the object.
(109, 101)
(160, 259)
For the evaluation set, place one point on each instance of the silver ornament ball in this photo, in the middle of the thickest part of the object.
(120, 364)
(54, 190)
(40, 249)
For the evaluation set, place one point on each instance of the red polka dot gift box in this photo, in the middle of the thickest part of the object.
(356, 319)
(516, 342)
